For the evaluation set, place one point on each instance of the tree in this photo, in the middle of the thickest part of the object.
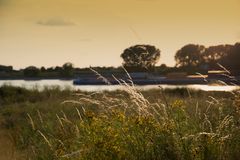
(140, 56)
(58, 69)
(31, 71)
(6, 68)
(43, 69)
(163, 66)
(215, 54)
(50, 69)
(67, 69)
(231, 61)
(190, 55)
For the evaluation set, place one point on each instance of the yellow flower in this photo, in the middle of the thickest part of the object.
(59, 152)
(178, 104)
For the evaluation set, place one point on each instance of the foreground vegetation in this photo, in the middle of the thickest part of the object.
(128, 124)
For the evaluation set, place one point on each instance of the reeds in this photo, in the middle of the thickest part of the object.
(131, 124)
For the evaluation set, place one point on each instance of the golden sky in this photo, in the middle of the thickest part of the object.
(95, 32)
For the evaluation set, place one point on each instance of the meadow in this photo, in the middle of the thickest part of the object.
(170, 124)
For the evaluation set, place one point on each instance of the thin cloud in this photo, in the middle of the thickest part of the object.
(55, 22)
(4, 2)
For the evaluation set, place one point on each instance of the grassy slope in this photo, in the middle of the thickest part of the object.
(170, 124)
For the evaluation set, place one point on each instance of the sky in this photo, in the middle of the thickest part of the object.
(95, 32)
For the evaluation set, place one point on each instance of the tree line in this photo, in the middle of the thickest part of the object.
(66, 70)
(191, 57)
(145, 57)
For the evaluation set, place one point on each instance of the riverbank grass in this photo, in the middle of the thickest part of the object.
(127, 124)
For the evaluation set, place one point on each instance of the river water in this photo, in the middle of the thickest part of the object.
(40, 84)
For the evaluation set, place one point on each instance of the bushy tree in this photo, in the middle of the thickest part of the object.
(43, 69)
(31, 71)
(232, 60)
(140, 56)
(216, 54)
(190, 55)
(195, 56)
(6, 68)
(67, 69)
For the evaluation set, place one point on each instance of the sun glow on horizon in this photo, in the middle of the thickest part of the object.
(95, 33)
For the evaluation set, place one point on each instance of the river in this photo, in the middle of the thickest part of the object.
(40, 84)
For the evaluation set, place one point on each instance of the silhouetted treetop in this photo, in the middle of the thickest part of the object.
(193, 55)
(232, 60)
(31, 71)
(6, 68)
(215, 54)
(67, 66)
(67, 69)
(142, 56)
(190, 55)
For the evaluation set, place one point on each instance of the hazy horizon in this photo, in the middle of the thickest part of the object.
(95, 32)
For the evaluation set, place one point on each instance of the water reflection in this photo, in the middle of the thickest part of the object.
(40, 84)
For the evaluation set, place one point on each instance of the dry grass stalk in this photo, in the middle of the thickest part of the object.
(99, 76)
(40, 116)
(46, 140)
(31, 121)
(60, 122)
(79, 115)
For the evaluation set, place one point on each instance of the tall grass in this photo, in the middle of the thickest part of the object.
(128, 124)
